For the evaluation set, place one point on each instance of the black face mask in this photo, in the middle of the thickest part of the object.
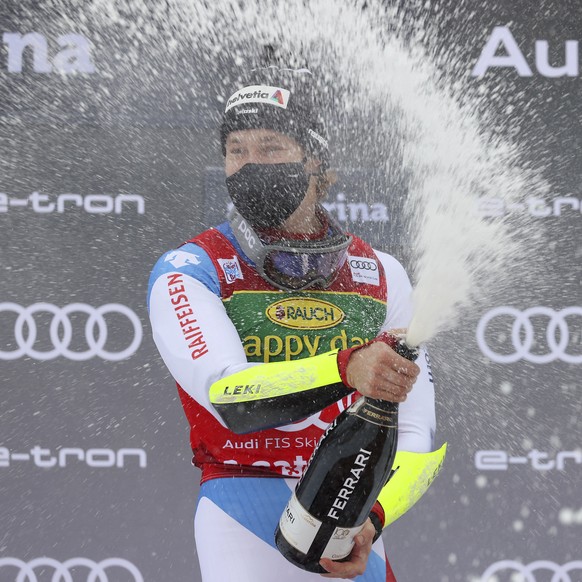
(266, 195)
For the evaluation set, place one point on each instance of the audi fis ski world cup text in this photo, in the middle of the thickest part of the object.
(285, 441)
(61, 331)
(271, 443)
(570, 516)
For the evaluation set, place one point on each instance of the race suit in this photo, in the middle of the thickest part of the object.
(212, 315)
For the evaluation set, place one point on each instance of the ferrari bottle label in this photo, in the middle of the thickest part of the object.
(341, 542)
(298, 526)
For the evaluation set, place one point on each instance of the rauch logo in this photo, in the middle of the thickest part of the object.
(304, 313)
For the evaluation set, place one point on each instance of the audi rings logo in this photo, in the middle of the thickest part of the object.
(560, 333)
(73, 570)
(363, 264)
(527, 571)
(60, 331)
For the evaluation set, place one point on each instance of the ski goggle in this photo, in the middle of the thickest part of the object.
(294, 265)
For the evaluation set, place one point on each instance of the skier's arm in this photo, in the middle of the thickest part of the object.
(202, 349)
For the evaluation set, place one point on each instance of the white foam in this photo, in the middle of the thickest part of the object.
(444, 147)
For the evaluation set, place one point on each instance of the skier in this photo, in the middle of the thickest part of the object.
(271, 325)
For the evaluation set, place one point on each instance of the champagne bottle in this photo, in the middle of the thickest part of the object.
(348, 468)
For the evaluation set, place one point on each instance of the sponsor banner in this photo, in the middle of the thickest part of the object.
(63, 54)
(63, 331)
(535, 207)
(347, 201)
(231, 269)
(304, 313)
(179, 259)
(500, 460)
(305, 325)
(101, 458)
(557, 339)
(364, 270)
(537, 571)
(71, 570)
(502, 51)
(277, 347)
(40, 203)
(185, 316)
(276, 96)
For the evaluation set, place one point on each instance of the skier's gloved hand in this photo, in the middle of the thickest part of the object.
(374, 369)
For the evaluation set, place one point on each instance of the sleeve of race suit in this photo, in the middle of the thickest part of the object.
(202, 350)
